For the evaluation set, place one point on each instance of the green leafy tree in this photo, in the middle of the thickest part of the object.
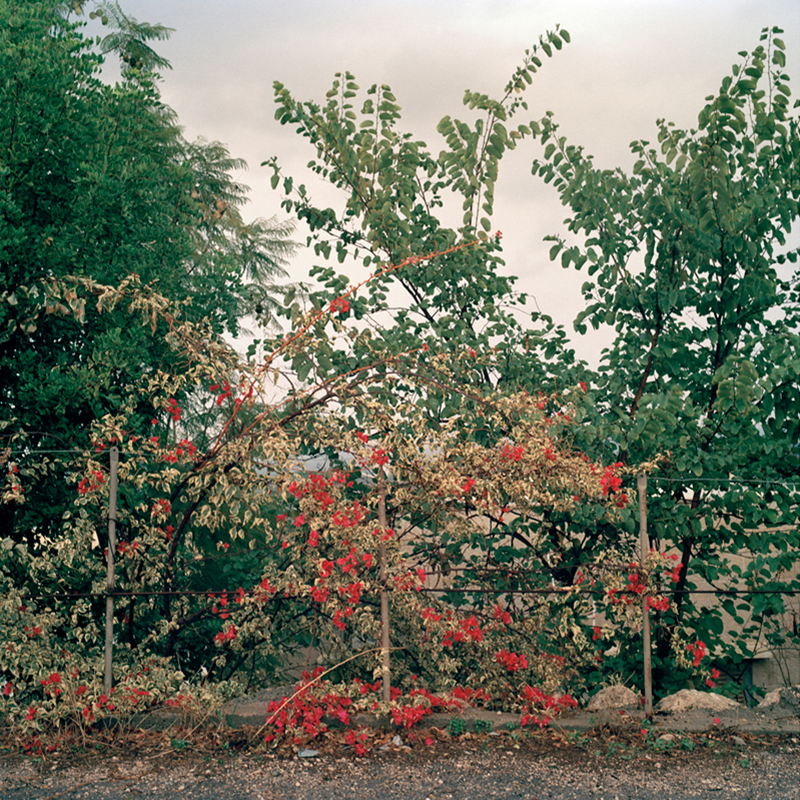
(397, 195)
(688, 260)
(97, 182)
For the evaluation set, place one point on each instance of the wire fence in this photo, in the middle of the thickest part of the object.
(449, 592)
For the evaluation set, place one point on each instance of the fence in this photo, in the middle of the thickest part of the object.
(111, 592)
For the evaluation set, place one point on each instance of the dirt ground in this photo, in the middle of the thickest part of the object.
(745, 753)
(428, 764)
(473, 753)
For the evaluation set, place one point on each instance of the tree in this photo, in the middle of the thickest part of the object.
(98, 182)
(396, 194)
(687, 259)
(705, 363)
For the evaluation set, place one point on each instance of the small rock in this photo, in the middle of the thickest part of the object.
(397, 741)
(667, 737)
(307, 753)
(613, 697)
(687, 699)
(788, 698)
(738, 740)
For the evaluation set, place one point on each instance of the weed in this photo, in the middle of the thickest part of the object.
(456, 727)
(578, 739)
(483, 726)
(662, 745)
(613, 749)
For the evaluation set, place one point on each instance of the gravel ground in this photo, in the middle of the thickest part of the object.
(697, 752)
(458, 770)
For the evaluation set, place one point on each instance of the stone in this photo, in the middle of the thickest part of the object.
(307, 753)
(613, 697)
(686, 699)
(788, 698)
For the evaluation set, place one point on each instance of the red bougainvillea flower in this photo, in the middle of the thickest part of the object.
(698, 650)
(340, 304)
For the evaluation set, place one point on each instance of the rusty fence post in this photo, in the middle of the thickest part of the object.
(112, 546)
(644, 548)
(386, 674)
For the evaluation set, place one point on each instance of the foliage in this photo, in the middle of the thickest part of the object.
(425, 463)
(97, 181)
(687, 258)
(397, 199)
(299, 516)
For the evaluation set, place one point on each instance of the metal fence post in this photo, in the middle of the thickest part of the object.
(644, 547)
(112, 546)
(385, 641)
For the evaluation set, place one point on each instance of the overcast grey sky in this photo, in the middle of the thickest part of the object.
(629, 63)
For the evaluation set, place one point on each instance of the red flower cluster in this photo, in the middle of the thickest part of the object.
(379, 456)
(675, 570)
(634, 584)
(349, 516)
(318, 485)
(535, 698)
(611, 483)
(226, 393)
(174, 409)
(511, 661)
(658, 604)
(161, 508)
(711, 682)
(226, 635)
(513, 453)
(127, 548)
(53, 681)
(320, 593)
(470, 631)
(388, 533)
(184, 447)
(94, 481)
(698, 650)
(340, 304)
(357, 741)
(352, 593)
(502, 616)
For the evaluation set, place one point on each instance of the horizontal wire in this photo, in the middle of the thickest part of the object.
(230, 593)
